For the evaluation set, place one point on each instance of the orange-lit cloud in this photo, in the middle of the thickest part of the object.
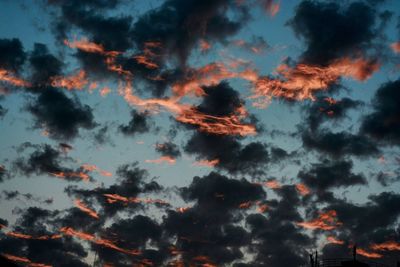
(225, 125)
(24, 260)
(245, 205)
(330, 100)
(206, 163)
(25, 236)
(388, 245)
(85, 45)
(112, 66)
(80, 205)
(77, 81)
(91, 168)
(303, 81)
(211, 74)
(7, 76)
(204, 45)
(163, 159)
(262, 208)
(302, 189)
(99, 241)
(143, 60)
(105, 91)
(273, 184)
(395, 47)
(182, 209)
(148, 54)
(325, 221)
(203, 261)
(271, 7)
(84, 176)
(333, 240)
(372, 255)
(112, 198)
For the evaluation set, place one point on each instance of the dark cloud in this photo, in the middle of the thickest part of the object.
(59, 115)
(179, 25)
(3, 111)
(34, 221)
(279, 155)
(215, 219)
(102, 136)
(335, 144)
(3, 173)
(328, 109)
(168, 149)
(387, 178)
(90, 17)
(43, 66)
(94, 21)
(3, 222)
(16, 195)
(383, 204)
(12, 54)
(220, 192)
(220, 100)
(136, 231)
(132, 182)
(276, 235)
(372, 222)
(383, 123)
(330, 175)
(6, 263)
(65, 147)
(49, 161)
(331, 30)
(138, 124)
(233, 156)
(339, 144)
(208, 227)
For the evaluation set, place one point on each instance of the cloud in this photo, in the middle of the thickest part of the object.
(43, 65)
(16, 195)
(60, 116)
(328, 175)
(383, 123)
(325, 109)
(47, 160)
(339, 144)
(3, 111)
(3, 173)
(168, 149)
(221, 100)
(206, 232)
(206, 20)
(55, 251)
(138, 124)
(333, 31)
(131, 183)
(276, 234)
(12, 54)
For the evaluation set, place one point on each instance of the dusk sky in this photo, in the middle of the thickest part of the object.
(199, 132)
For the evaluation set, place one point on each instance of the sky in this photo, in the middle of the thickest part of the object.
(199, 132)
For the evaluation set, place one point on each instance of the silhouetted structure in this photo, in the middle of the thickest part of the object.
(344, 262)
